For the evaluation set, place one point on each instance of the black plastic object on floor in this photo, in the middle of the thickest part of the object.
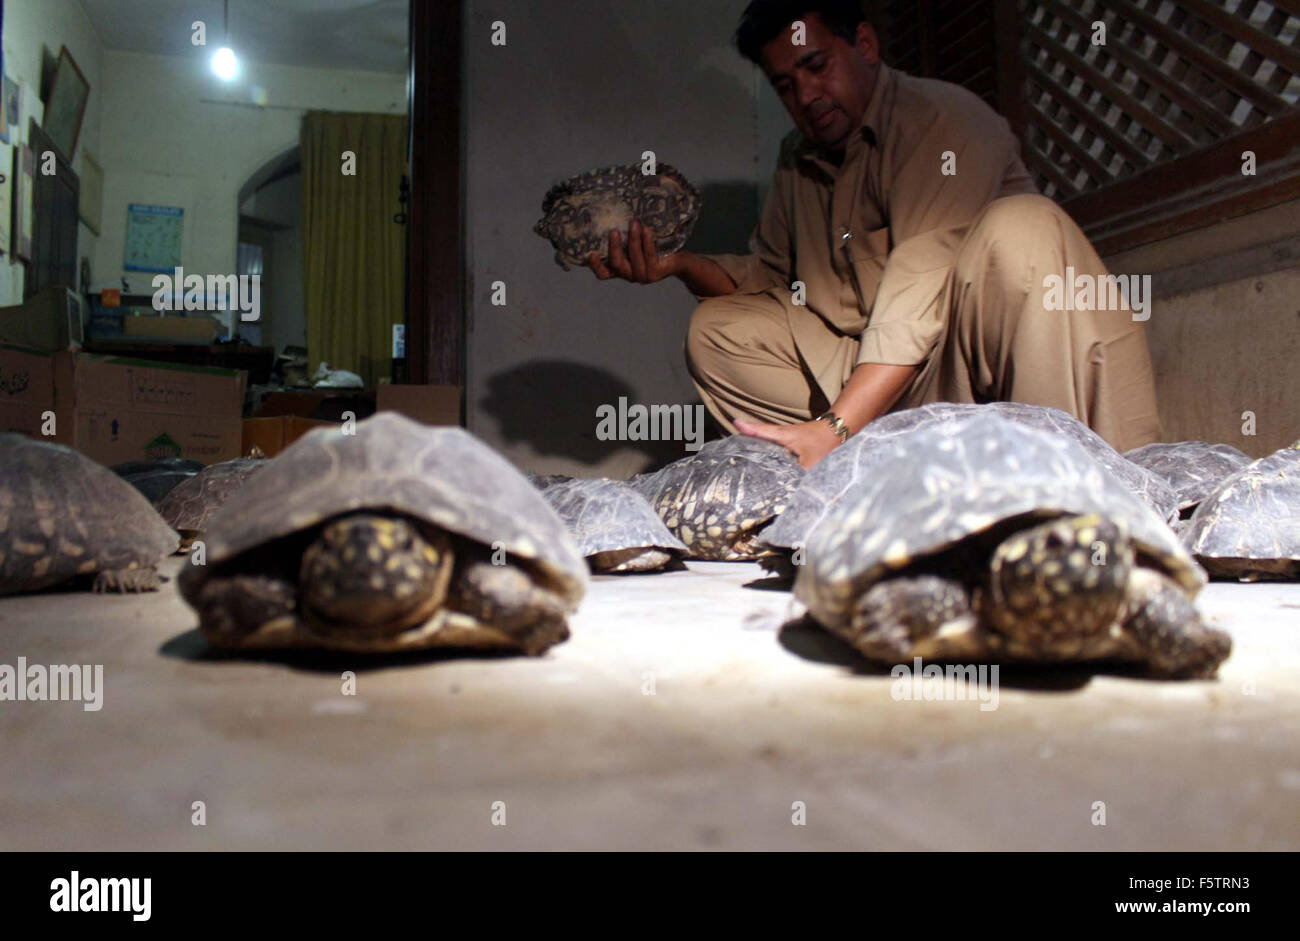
(155, 479)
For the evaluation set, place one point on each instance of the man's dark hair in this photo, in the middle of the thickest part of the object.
(764, 20)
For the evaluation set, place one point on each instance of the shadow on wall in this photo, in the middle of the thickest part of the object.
(728, 214)
(551, 405)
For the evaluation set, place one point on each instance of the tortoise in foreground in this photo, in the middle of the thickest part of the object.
(1249, 528)
(155, 479)
(1193, 468)
(718, 500)
(190, 505)
(64, 517)
(985, 540)
(579, 213)
(614, 526)
(400, 536)
(818, 494)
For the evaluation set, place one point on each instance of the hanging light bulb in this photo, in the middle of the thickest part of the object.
(224, 63)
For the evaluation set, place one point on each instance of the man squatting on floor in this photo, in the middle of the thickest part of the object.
(921, 286)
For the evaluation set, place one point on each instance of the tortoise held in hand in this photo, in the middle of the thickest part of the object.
(989, 541)
(400, 536)
(579, 214)
(616, 529)
(62, 516)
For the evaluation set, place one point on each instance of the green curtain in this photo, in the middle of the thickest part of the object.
(353, 251)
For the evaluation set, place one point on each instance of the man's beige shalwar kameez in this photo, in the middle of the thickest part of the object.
(904, 264)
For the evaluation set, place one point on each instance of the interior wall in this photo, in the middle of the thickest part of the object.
(568, 93)
(774, 123)
(1225, 328)
(33, 27)
(188, 153)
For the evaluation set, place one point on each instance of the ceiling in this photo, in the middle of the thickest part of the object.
(338, 34)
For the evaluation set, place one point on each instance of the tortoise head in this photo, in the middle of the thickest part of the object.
(1060, 580)
(371, 574)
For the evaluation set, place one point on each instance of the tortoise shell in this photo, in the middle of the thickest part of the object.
(816, 497)
(1193, 468)
(718, 500)
(939, 485)
(62, 516)
(189, 506)
(610, 520)
(579, 213)
(444, 477)
(1249, 527)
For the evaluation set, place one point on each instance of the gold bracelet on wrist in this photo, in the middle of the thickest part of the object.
(837, 425)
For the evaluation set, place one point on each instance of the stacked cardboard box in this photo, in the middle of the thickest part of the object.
(36, 393)
(116, 409)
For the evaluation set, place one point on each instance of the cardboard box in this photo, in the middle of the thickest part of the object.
(170, 327)
(433, 405)
(36, 390)
(136, 410)
(115, 409)
(273, 435)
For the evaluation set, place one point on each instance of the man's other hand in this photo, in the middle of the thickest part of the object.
(809, 440)
(640, 264)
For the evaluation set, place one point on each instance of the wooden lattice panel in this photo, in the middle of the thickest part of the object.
(1173, 77)
(952, 40)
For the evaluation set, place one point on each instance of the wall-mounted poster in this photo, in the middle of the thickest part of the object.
(153, 237)
(67, 105)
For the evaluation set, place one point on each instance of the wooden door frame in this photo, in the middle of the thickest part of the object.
(435, 231)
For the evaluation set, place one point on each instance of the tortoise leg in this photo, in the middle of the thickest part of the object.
(124, 580)
(920, 616)
(1058, 583)
(505, 598)
(1163, 619)
(232, 607)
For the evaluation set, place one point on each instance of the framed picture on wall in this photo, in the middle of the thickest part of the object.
(92, 192)
(67, 105)
(4, 80)
(6, 197)
(24, 178)
(12, 104)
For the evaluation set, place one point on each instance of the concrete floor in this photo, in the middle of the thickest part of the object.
(749, 715)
